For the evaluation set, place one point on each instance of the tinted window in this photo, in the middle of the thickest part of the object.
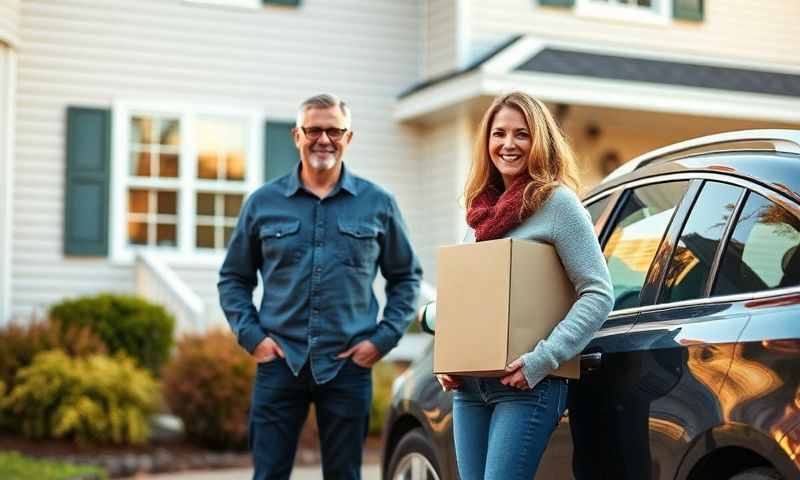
(597, 208)
(691, 262)
(763, 252)
(636, 236)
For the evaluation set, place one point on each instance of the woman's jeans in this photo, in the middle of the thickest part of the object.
(500, 431)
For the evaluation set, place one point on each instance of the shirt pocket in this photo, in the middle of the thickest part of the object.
(358, 244)
(280, 243)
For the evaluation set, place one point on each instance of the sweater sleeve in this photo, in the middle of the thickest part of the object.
(578, 248)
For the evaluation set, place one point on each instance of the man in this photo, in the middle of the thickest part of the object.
(318, 236)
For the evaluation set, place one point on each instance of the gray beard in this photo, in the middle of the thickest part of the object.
(322, 165)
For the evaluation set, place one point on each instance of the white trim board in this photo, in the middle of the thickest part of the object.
(571, 89)
(8, 64)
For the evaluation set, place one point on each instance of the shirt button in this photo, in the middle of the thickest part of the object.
(318, 269)
(316, 311)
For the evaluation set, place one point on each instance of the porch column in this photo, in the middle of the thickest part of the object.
(7, 92)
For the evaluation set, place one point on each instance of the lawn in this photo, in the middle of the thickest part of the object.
(14, 466)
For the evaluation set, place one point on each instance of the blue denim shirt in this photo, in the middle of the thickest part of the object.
(318, 260)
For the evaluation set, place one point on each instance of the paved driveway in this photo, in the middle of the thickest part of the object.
(368, 472)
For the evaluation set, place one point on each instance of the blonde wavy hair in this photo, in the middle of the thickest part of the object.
(551, 161)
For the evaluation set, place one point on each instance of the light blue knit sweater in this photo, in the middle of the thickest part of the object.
(563, 222)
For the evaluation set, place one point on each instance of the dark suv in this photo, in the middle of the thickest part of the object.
(696, 372)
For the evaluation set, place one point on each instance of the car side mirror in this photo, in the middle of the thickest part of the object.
(426, 316)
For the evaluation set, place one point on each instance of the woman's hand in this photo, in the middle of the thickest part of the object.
(514, 376)
(447, 382)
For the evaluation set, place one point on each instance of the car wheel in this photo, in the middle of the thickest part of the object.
(413, 459)
(760, 473)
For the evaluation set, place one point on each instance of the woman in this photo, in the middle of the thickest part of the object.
(522, 185)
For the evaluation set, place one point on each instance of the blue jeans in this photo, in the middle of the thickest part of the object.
(500, 431)
(279, 409)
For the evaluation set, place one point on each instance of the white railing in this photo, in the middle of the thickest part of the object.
(158, 283)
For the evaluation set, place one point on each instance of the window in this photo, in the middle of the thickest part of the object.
(658, 11)
(597, 208)
(186, 177)
(763, 251)
(636, 236)
(687, 274)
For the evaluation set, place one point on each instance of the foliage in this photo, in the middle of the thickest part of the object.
(207, 384)
(126, 324)
(94, 399)
(14, 466)
(20, 343)
(383, 375)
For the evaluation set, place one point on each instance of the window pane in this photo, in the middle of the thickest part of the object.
(205, 204)
(234, 165)
(140, 163)
(763, 252)
(233, 203)
(166, 235)
(596, 208)
(141, 130)
(167, 203)
(221, 145)
(205, 236)
(168, 165)
(138, 201)
(636, 236)
(169, 133)
(688, 271)
(207, 165)
(137, 233)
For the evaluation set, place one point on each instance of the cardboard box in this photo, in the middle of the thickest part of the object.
(495, 301)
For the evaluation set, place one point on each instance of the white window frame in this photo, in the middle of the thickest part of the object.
(661, 14)
(248, 4)
(188, 184)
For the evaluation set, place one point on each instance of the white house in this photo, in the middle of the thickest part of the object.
(130, 131)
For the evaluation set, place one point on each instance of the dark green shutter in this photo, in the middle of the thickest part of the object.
(281, 2)
(688, 10)
(87, 182)
(557, 3)
(280, 153)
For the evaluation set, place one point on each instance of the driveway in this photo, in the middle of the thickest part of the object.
(368, 472)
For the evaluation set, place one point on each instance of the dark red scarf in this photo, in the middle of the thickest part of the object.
(494, 212)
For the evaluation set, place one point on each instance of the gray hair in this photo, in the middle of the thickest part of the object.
(324, 100)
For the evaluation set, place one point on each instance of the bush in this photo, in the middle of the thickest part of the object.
(94, 399)
(126, 324)
(383, 375)
(14, 466)
(207, 384)
(19, 344)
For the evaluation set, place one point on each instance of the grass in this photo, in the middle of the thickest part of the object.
(14, 466)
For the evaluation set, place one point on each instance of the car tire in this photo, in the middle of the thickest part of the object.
(413, 459)
(759, 473)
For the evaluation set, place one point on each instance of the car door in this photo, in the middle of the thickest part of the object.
(683, 343)
(600, 425)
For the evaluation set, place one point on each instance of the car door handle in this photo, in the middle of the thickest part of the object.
(591, 361)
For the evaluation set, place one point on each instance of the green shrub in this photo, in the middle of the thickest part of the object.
(207, 384)
(383, 375)
(20, 343)
(98, 399)
(14, 466)
(126, 324)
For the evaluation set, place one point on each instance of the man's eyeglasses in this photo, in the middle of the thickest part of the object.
(315, 132)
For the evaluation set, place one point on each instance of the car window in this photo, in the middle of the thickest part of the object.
(597, 208)
(636, 235)
(687, 274)
(763, 252)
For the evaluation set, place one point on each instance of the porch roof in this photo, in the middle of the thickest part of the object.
(590, 74)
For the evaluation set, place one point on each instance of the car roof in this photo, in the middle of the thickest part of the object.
(777, 168)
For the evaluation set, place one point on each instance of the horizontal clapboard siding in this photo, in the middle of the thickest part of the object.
(9, 22)
(89, 53)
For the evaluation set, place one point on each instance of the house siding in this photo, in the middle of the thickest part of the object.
(756, 32)
(91, 53)
(440, 37)
(9, 21)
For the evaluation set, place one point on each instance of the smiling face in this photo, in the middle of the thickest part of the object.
(323, 153)
(509, 143)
